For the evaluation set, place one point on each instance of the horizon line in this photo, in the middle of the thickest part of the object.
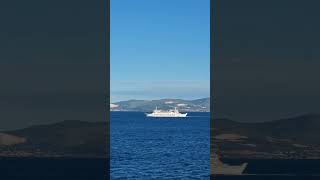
(159, 99)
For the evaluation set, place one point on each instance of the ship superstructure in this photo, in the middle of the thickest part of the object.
(170, 113)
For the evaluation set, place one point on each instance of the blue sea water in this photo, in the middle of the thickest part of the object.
(159, 148)
(18, 168)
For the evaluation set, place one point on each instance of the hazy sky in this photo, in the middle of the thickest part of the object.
(159, 49)
(267, 59)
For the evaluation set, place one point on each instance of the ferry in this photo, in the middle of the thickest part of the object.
(171, 113)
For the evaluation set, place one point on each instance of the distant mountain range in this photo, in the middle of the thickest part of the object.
(198, 105)
(297, 137)
(67, 138)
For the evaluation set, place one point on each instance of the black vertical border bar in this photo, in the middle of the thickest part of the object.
(211, 82)
(104, 45)
(108, 82)
(214, 57)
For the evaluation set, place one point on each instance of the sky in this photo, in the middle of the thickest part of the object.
(267, 59)
(159, 49)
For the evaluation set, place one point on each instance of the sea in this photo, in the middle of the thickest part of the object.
(159, 148)
(274, 169)
(29, 168)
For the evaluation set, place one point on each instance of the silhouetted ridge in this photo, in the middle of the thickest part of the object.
(69, 137)
(304, 128)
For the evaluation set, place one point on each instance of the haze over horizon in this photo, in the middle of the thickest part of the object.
(161, 99)
(149, 90)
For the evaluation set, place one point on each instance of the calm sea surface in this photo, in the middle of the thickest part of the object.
(53, 168)
(159, 148)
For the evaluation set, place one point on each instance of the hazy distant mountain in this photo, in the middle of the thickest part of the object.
(67, 138)
(297, 137)
(198, 105)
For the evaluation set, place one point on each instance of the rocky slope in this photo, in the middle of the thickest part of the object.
(198, 105)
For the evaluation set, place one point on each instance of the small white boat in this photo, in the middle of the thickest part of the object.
(170, 113)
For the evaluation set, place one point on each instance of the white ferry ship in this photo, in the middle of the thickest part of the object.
(170, 113)
(220, 168)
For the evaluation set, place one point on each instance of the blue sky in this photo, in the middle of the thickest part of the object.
(159, 49)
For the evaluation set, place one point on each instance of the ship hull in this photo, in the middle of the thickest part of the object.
(167, 115)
